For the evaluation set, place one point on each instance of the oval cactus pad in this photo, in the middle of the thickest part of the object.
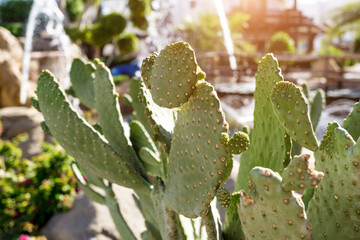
(197, 156)
(173, 75)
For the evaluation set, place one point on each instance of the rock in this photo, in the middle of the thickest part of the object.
(11, 54)
(11, 44)
(88, 220)
(18, 120)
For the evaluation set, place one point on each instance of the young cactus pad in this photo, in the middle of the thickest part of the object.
(293, 112)
(334, 211)
(270, 212)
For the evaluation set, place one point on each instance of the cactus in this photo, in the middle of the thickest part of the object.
(292, 111)
(179, 154)
(269, 211)
(335, 210)
(316, 106)
(269, 149)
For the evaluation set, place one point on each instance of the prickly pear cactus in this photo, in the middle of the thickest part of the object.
(298, 175)
(270, 143)
(293, 112)
(334, 210)
(80, 140)
(270, 212)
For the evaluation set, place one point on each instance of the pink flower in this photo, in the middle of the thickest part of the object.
(23, 237)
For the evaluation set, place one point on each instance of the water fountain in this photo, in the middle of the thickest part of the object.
(53, 27)
(229, 45)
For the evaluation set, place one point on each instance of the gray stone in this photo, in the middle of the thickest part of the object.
(89, 220)
(17, 120)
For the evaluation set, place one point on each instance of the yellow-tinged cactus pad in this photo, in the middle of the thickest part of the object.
(334, 210)
(173, 74)
(298, 175)
(270, 144)
(223, 197)
(197, 160)
(238, 143)
(270, 212)
(80, 140)
(293, 112)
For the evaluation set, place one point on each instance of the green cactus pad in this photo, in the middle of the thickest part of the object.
(80, 140)
(238, 143)
(173, 76)
(232, 226)
(316, 107)
(299, 176)
(293, 112)
(45, 128)
(82, 78)
(197, 160)
(334, 210)
(115, 212)
(151, 162)
(270, 145)
(352, 122)
(223, 197)
(212, 223)
(110, 118)
(35, 103)
(157, 121)
(269, 212)
(140, 137)
(166, 218)
(88, 190)
(146, 68)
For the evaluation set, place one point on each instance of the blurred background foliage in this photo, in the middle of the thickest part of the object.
(32, 190)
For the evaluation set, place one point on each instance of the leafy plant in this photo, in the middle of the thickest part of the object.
(281, 42)
(179, 153)
(33, 190)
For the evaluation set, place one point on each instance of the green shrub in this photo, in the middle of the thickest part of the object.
(15, 10)
(16, 28)
(281, 42)
(74, 8)
(127, 43)
(33, 190)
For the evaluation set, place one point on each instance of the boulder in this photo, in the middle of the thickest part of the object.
(89, 220)
(11, 54)
(17, 120)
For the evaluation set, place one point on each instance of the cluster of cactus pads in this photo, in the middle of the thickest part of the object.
(178, 154)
